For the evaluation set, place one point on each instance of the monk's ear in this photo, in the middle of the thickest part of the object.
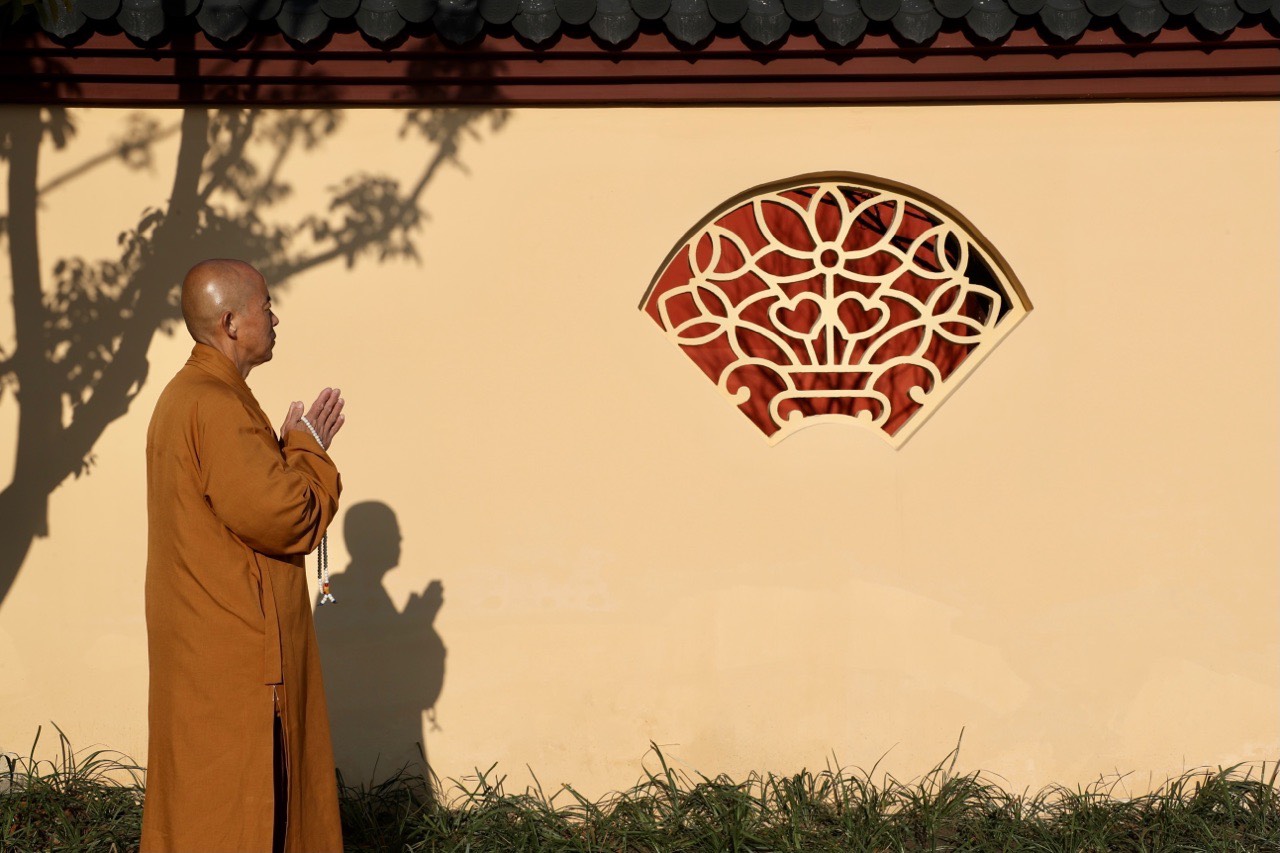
(227, 324)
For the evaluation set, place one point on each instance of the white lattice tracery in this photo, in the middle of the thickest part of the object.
(835, 299)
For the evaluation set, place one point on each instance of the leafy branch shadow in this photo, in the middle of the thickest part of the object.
(81, 335)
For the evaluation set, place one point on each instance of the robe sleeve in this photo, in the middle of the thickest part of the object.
(277, 499)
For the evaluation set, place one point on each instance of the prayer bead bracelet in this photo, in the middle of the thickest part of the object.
(322, 553)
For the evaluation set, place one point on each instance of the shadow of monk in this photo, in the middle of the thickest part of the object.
(383, 668)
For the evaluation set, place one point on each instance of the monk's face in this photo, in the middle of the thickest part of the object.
(255, 321)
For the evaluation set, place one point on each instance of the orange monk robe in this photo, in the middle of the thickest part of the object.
(231, 513)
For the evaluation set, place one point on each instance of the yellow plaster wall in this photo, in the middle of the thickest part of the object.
(1074, 560)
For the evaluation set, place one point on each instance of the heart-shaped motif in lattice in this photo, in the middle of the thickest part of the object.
(836, 297)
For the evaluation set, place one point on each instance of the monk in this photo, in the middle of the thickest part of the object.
(240, 755)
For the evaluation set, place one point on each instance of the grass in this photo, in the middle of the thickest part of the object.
(93, 802)
(76, 802)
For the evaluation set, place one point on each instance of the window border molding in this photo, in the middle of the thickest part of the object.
(1020, 304)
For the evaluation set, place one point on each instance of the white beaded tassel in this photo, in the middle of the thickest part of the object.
(322, 553)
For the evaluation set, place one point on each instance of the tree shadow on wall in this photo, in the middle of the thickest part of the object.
(79, 357)
(383, 668)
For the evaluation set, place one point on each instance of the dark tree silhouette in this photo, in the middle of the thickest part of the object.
(80, 345)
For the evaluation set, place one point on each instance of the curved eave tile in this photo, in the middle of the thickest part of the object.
(421, 11)
(803, 10)
(689, 21)
(261, 10)
(99, 10)
(651, 10)
(575, 12)
(498, 12)
(58, 19)
(302, 20)
(766, 21)
(1218, 16)
(339, 8)
(142, 19)
(727, 11)
(379, 20)
(917, 20)
(613, 22)
(537, 20)
(457, 21)
(841, 22)
(1066, 19)
(222, 20)
(1143, 17)
(991, 20)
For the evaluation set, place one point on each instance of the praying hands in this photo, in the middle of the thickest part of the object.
(325, 416)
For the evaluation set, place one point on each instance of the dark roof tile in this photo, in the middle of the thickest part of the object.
(803, 10)
(457, 21)
(61, 20)
(378, 19)
(261, 10)
(222, 19)
(142, 19)
(537, 20)
(991, 20)
(841, 22)
(576, 12)
(688, 21)
(1218, 16)
(881, 10)
(766, 21)
(727, 11)
(302, 20)
(953, 8)
(651, 10)
(614, 21)
(1143, 17)
(1066, 19)
(418, 11)
(917, 20)
(339, 8)
(98, 10)
(499, 11)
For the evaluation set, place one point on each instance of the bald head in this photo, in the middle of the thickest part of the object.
(214, 287)
(225, 305)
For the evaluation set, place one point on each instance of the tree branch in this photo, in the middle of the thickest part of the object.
(153, 281)
(120, 150)
(219, 170)
(29, 312)
(448, 148)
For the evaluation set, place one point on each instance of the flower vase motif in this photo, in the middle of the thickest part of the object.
(836, 298)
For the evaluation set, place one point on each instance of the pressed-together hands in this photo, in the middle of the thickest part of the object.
(325, 415)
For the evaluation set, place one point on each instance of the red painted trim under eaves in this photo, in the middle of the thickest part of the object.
(346, 69)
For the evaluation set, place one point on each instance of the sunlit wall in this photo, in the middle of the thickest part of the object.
(570, 546)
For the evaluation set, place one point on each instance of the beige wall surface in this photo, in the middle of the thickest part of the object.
(1073, 561)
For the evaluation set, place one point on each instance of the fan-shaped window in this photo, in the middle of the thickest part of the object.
(835, 297)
